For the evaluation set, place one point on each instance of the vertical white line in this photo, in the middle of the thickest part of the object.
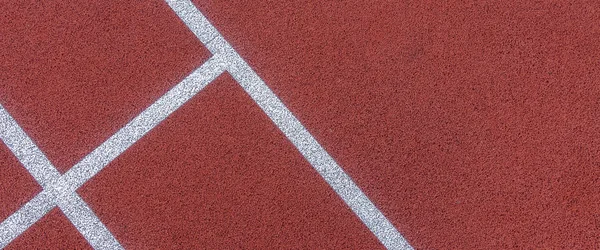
(283, 118)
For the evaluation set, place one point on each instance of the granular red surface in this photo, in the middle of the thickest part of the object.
(53, 231)
(470, 125)
(218, 174)
(74, 72)
(16, 184)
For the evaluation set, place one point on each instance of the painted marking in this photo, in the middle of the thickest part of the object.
(61, 190)
(42, 170)
(283, 118)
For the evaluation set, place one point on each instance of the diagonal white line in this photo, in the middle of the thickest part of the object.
(283, 118)
(25, 217)
(86, 222)
(62, 189)
(316, 155)
(142, 124)
(224, 57)
(25, 150)
(42, 170)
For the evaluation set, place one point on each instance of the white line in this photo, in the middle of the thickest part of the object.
(283, 118)
(316, 155)
(86, 222)
(62, 189)
(45, 174)
(25, 217)
(25, 150)
(142, 124)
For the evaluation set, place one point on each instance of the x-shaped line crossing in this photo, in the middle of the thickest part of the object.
(60, 190)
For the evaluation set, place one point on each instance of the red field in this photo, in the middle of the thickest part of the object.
(468, 125)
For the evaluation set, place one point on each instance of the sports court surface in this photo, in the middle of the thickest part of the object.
(238, 124)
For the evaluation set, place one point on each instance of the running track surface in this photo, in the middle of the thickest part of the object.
(469, 125)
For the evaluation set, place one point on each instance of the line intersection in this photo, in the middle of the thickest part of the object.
(60, 190)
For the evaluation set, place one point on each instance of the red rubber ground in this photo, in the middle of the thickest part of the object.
(471, 126)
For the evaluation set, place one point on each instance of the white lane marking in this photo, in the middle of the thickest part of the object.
(42, 170)
(61, 190)
(283, 118)
(143, 123)
(260, 93)
(25, 217)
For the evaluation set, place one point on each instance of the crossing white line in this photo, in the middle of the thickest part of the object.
(60, 190)
(283, 118)
(42, 170)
